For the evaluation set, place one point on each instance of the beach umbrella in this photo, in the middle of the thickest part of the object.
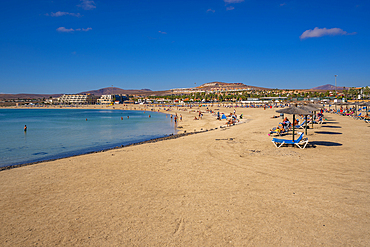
(293, 110)
(317, 106)
(314, 108)
(340, 103)
(308, 108)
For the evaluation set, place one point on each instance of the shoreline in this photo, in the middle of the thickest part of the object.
(180, 133)
(163, 138)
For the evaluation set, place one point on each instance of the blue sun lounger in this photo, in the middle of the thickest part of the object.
(300, 126)
(300, 142)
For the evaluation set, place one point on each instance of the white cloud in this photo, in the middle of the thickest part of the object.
(162, 32)
(230, 8)
(233, 1)
(319, 32)
(87, 4)
(60, 13)
(75, 14)
(64, 30)
(211, 10)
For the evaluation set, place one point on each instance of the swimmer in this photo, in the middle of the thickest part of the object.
(121, 118)
(25, 128)
(128, 116)
(149, 116)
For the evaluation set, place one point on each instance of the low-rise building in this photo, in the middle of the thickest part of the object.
(77, 99)
(110, 99)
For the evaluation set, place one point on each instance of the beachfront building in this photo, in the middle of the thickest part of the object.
(112, 99)
(77, 99)
(106, 99)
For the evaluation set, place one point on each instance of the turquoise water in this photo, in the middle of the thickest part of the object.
(58, 133)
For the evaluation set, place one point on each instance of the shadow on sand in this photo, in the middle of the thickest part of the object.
(325, 143)
(331, 126)
(328, 133)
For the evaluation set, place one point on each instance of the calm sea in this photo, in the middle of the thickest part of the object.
(58, 133)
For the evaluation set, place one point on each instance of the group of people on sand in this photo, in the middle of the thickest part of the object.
(200, 115)
(233, 118)
(232, 121)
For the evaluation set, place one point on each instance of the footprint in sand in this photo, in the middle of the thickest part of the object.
(180, 226)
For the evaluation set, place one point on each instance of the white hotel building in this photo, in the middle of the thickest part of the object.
(76, 98)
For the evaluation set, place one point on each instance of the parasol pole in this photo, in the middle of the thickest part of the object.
(313, 114)
(293, 125)
(305, 128)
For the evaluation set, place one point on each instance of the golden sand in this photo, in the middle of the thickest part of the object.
(226, 187)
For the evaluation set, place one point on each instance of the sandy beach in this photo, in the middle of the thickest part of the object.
(228, 186)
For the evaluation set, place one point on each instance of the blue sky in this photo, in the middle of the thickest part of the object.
(70, 46)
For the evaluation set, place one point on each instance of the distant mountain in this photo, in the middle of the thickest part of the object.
(28, 96)
(327, 87)
(217, 84)
(116, 90)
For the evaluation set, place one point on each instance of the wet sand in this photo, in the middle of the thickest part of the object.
(226, 187)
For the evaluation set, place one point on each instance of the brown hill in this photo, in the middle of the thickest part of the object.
(328, 87)
(226, 85)
(27, 96)
(116, 90)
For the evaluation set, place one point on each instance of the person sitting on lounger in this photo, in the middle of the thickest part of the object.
(278, 130)
(286, 124)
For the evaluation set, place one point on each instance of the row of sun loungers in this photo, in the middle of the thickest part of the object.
(352, 114)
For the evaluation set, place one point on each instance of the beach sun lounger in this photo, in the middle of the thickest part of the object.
(300, 126)
(300, 142)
